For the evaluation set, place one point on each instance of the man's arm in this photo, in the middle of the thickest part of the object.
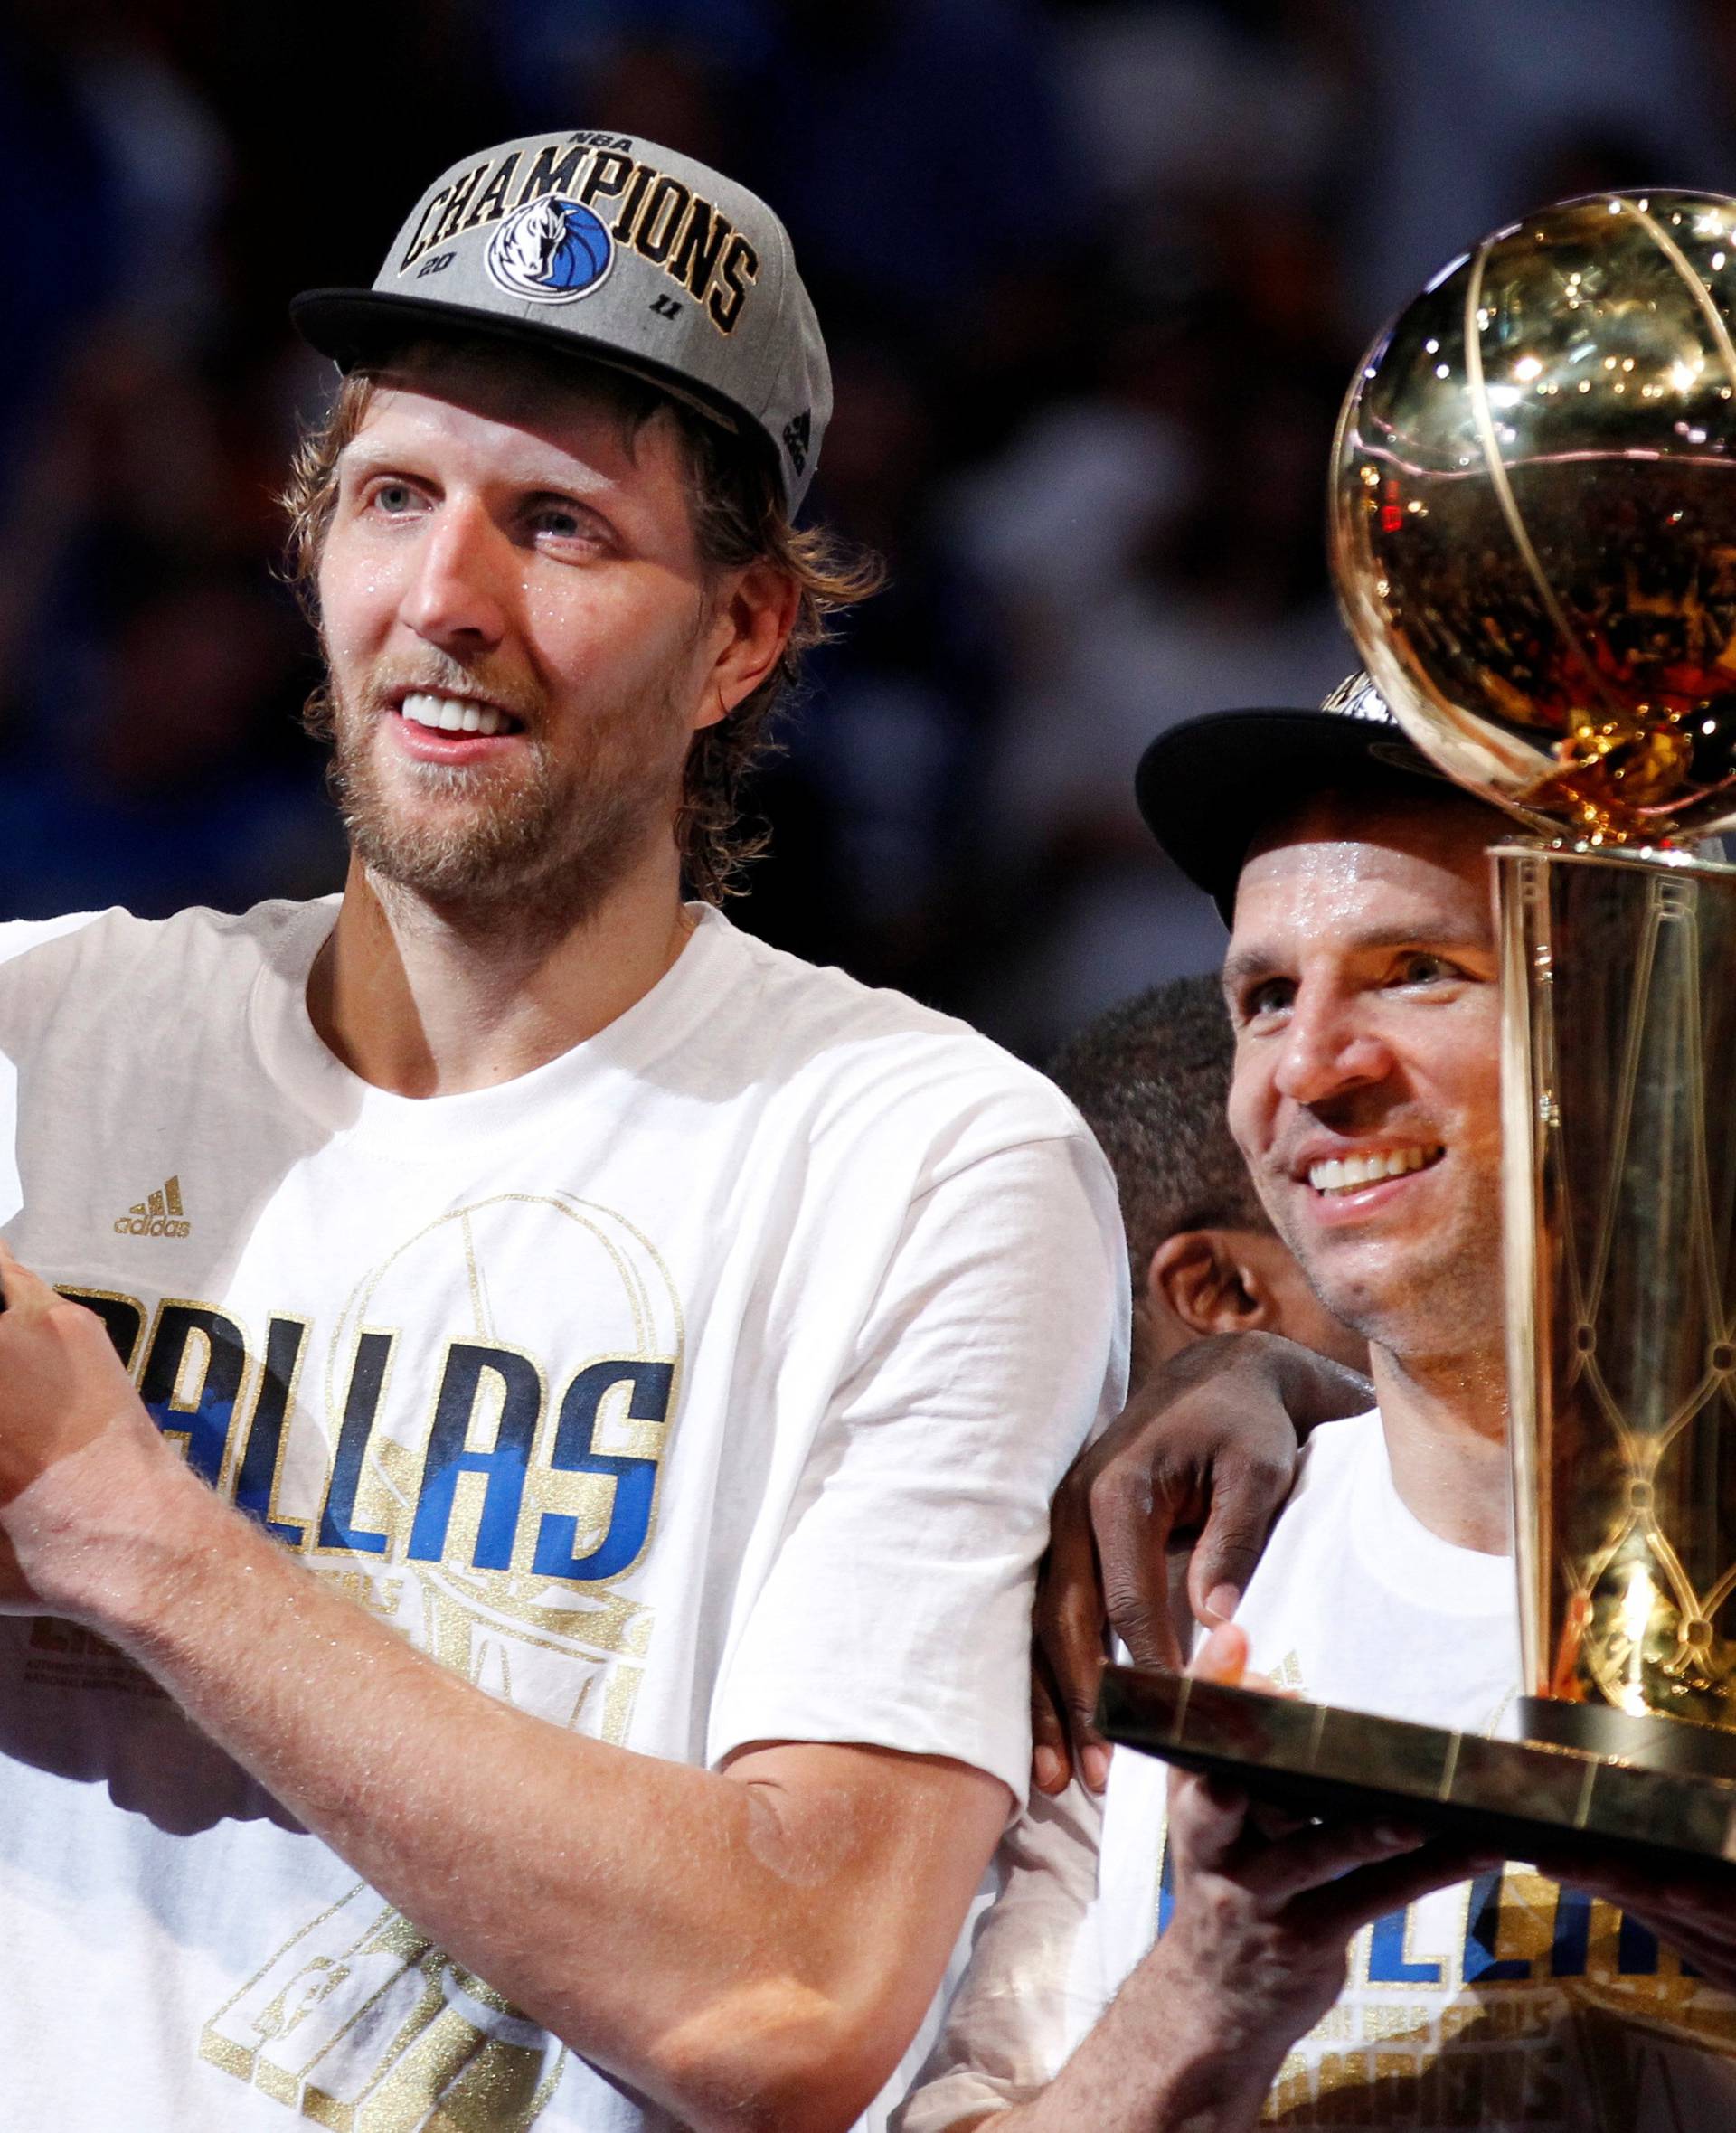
(1206, 1445)
(766, 1974)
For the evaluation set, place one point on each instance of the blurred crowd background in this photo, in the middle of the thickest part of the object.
(1094, 274)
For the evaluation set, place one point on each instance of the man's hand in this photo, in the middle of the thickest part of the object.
(1266, 1903)
(63, 1392)
(1254, 1954)
(1206, 1446)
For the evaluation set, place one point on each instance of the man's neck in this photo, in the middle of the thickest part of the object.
(429, 1001)
(1446, 1424)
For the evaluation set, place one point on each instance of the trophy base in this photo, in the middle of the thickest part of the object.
(1526, 1797)
(1654, 1743)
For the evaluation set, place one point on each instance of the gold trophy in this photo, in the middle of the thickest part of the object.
(1533, 536)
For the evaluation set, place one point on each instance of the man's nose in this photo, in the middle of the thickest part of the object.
(1328, 1048)
(458, 592)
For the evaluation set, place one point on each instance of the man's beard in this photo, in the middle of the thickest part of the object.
(1449, 1299)
(542, 848)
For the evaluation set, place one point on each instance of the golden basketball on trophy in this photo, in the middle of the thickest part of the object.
(1533, 518)
(1534, 537)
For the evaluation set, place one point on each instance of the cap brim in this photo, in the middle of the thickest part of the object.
(364, 325)
(1208, 787)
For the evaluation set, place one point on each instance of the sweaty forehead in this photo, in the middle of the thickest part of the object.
(500, 397)
(1340, 866)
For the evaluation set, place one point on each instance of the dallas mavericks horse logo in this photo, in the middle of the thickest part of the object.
(551, 251)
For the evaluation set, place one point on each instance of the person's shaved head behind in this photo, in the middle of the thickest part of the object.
(1151, 1078)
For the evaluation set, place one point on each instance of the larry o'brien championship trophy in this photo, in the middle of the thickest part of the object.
(1533, 531)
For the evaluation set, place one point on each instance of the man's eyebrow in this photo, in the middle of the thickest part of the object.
(1446, 934)
(1246, 963)
(1238, 969)
(363, 454)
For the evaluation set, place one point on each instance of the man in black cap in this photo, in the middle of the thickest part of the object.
(1348, 1971)
(636, 1363)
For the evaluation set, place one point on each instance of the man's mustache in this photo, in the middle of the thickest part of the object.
(1289, 1155)
(379, 691)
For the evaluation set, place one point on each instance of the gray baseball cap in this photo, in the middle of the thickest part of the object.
(612, 249)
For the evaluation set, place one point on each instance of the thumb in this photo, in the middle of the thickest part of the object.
(21, 1291)
(1245, 1499)
(1224, 1656)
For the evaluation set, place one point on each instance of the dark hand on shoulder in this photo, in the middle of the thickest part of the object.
(1204, 1450)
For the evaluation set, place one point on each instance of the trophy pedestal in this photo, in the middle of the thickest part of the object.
(1641, 1738)
(1527, 1798)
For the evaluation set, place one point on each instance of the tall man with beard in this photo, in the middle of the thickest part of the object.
(636, 1362)
(1344, 1972)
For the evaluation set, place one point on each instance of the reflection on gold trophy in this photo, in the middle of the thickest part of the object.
(1535, 540)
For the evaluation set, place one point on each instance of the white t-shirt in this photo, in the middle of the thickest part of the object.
(706, 1385)
(1506, 2003)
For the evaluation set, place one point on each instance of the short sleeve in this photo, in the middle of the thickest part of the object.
(897, 1608)
(19, 935)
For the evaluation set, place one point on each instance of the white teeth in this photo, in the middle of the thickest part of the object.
(453, 714)
(1348, 1172)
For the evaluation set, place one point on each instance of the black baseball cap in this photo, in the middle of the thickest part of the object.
(609, 248)
(1208, 786)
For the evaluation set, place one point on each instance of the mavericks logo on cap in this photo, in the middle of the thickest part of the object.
(554, 230)
(550, 251)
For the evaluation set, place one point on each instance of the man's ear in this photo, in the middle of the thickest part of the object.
(755, 611)
(1209, 1284)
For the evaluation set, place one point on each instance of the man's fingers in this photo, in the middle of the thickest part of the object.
(1322, 1853)
(1070, 1635)
(1222, 1657)
(1342, 1907)
(1275, 1822)
(1207, 1817)
(1132, 1515)
(1052, 1749)
(1246, 1495)
(27, 1295)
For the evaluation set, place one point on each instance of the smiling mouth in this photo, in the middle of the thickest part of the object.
(457, 714)
(1352, 1173)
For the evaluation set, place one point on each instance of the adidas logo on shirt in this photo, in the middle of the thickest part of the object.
(160, 1216)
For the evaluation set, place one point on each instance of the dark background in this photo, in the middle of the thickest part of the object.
(1093, 273)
